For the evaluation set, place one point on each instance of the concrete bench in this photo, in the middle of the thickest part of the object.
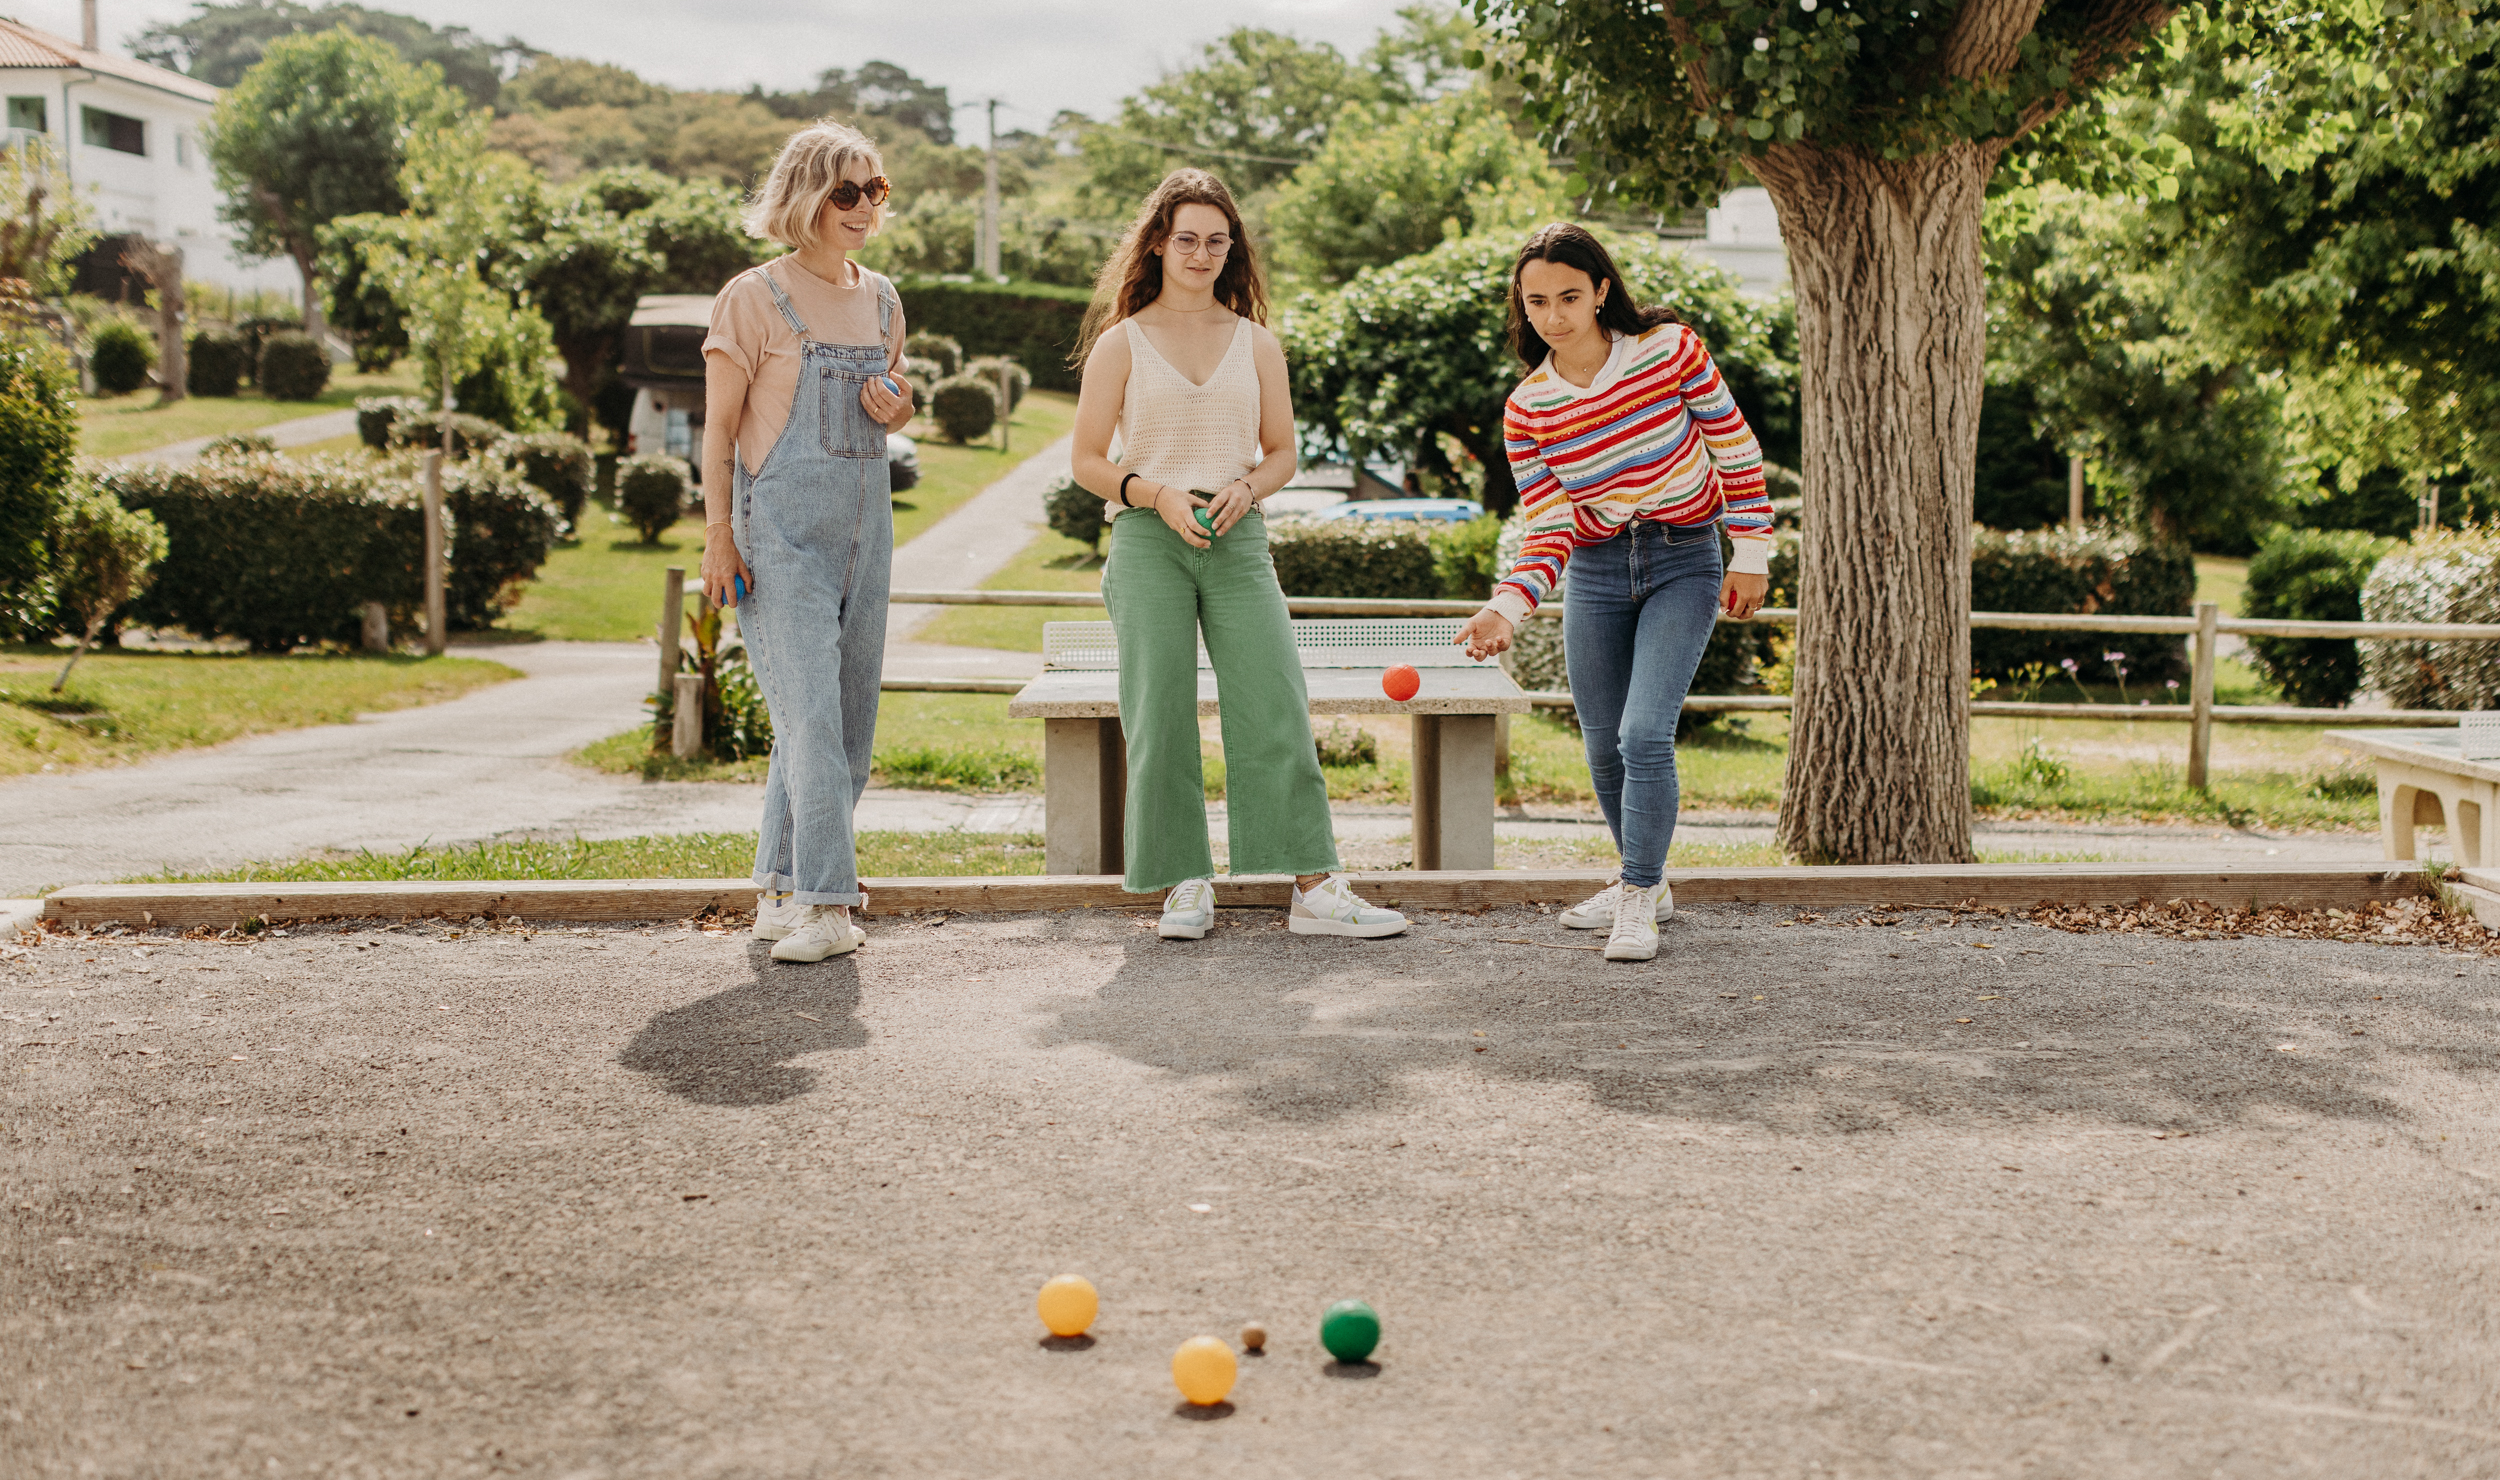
(2423, 781)
(1085, 756)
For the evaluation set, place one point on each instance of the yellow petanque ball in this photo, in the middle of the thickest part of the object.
(1203, 1370)
(1067, 1305)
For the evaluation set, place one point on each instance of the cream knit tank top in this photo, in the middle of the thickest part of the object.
(1190, 437)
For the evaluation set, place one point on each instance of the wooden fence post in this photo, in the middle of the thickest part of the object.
(2201, 694)
(436, 637)
(685, 739)
(672, 624)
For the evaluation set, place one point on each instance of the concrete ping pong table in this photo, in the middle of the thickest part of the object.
(1085, 755)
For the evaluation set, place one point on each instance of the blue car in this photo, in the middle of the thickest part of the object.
(1440, 510)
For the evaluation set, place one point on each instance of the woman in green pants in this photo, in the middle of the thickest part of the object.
(1179, 362)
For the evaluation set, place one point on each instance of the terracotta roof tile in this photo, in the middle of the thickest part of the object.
(22, 45)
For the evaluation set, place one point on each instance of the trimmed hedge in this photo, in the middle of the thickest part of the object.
(1019, 379)
(1353, 558)
(292, 367)
(501, 530)
(2103, 571)
(217, 362)
(38, 448)
(2311, 575)
(964, 408)
(240, 444)
(1035, 324)
(276, 551)
(120, 355)
(422, 431)
(256, 330)
(941, 350)
(651, 493)
(2450, 576)
(375, 414)
(1075, 512)
(559, 465)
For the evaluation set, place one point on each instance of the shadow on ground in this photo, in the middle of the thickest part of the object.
(1848, 1036)
(734, 1046)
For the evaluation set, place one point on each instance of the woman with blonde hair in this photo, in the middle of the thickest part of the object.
(1180, 364)
(798, 514)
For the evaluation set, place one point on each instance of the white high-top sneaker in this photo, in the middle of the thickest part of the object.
(1188, 911)
(1635, 933)
(1597, 912)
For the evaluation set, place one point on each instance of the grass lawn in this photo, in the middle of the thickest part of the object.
(116, 426)
(131, 706)
(606, 585)
(934, 742)
(2222, 580)
(1052, 562)
(682, 856)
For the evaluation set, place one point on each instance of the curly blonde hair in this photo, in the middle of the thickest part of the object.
(811, 163)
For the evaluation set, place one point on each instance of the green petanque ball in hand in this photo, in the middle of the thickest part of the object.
(1206, 520)
(1350, 1330)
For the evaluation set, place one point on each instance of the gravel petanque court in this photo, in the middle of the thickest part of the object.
(1810, 1199)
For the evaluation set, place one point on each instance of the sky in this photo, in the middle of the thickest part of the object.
(1038, 56)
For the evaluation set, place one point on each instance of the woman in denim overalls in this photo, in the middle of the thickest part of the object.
(811, 528)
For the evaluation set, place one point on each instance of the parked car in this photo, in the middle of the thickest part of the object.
(1440, 510)
(663, 362)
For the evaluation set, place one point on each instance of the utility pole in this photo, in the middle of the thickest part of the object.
(989, 201)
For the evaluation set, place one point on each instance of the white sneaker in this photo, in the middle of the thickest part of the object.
(1597, 912)
(1188, 911)
(1635, 933)
(1333, 908)
(824, 931)
(776, 918)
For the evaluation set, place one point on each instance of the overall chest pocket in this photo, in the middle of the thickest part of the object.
(844, 426)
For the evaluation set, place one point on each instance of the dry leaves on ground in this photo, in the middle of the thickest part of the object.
(2413, 921)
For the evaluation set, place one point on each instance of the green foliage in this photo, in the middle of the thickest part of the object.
(1075, 513)
(254, 330)
(103, 557)
(502, 528)
(987, 370)
(2102, 570)
(1034, 324)
(240, 444)
(121, 355)
(421, 430)
(2311, 575)
(1464, 556)
(965, 408)
(2021, 482)
(1341, 742)
(944, 349)
(312, 132)
(1353, 558)
(1392, 180)
(1253, 105)
(744, 726)
(2447, 576)
(293, 367)
(1411, 352)
(216, 360)
(44, 225)
(510, 385)
(276, 551)
(651, 494)
(38, 440)
(218, 43)
(558, 465)
(376, 415)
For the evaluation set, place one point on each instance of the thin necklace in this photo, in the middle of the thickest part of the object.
(1167, 308)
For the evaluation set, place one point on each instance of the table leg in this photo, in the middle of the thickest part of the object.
(1454, 791)
(1084, 790)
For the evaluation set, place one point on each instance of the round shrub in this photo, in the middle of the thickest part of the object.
(375, 414)
(1076, 512)
(293, 367)
(501, 530)
(1019, 379)
(2312, 575)
(922, 374)
(651, 494)
(2449, 576)
(240, 444)
(121, 356)
(423, 430)
(255, 331)
(944, 349)
(218, 359)
(965, 408)
(558, 465)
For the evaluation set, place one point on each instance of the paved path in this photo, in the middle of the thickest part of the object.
(296, 433)
(978, 539)
(643, 1203)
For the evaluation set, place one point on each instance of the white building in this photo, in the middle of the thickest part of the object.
(128, 135)
(1742, 236)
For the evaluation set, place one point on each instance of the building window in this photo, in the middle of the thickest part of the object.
(182, 150)
(117, 131)
(28, 113)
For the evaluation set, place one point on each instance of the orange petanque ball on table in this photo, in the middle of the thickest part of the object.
(1067, 1305)
(1203, 1369)
(1400, 682)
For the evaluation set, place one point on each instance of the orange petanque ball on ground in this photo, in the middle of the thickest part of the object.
(1067, 1305)
(1203, 1369)
(1400, 681)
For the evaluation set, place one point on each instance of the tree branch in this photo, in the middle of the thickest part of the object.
(2109, 41)
(1987, 37)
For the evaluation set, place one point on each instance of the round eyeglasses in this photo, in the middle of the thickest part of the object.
(1189, 243)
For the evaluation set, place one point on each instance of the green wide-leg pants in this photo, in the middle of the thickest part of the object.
(1161, 591)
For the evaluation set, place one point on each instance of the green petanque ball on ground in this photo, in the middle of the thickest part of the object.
(1349, 1329)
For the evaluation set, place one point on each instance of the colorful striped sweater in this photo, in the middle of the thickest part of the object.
(1656, 435)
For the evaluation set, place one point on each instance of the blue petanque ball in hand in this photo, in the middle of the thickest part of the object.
(1349, 1329)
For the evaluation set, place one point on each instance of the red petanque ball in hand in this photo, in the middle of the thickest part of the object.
(1400, 682)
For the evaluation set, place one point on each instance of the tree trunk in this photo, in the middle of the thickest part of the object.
(1891, 304)
(315, 324)
(161, 265)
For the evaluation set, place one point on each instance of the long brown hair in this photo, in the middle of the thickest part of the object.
(1567, 245)
(1133, 277)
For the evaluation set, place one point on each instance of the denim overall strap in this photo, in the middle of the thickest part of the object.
(781, 301)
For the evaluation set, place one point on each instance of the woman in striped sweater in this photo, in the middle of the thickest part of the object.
(1630, 453)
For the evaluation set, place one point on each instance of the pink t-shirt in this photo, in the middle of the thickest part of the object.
(754, 344)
